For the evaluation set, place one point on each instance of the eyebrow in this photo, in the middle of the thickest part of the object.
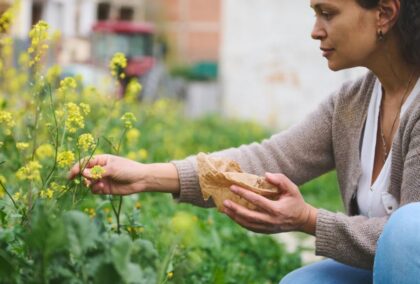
(322, 5)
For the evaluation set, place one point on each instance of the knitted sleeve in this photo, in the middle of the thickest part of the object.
(301, 153)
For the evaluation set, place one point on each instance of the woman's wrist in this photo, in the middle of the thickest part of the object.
(309, 225)
(161, 177)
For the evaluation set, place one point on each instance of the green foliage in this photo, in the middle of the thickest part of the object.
(54, 231)
(323, 192)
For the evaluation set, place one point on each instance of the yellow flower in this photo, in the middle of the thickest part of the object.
(128, 118)
(117, 65)
(59, 114)
(133, 135)
(86, 142)
(24, 59)
(6, 122)
(109, 219)
(97, 172)
(22, 145)
(56, 187)
(132, 155)
(46, 194)
(1, 144)
(17, 196)
(132, 90)
(138, 205)
(39, 36)
(143, 154)
(91, 212)
(53, 73)
(75, 119)
(45, 151)
(170, 274)
(65, 159)
(68, 84)
(183, 222)
(8, 16)
(31, 171)
(85, 108)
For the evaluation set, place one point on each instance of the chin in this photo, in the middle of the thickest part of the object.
(335, 66)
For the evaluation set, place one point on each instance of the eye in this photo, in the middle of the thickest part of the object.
(326, 15)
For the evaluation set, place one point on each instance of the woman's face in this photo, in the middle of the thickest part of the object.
(347, 32)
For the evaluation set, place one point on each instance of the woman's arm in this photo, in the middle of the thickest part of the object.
(301, 153)
(123, 176)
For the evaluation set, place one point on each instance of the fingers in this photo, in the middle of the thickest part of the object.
(256, 199)
(86, 163)
(281, 181)
(251, 220)
(239, 211)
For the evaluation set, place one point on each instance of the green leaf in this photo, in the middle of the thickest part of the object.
(81, 232)
(120, 253)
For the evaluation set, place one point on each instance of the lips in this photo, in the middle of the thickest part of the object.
(327, 52)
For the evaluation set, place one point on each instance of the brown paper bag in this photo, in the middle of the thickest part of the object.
(216, 175)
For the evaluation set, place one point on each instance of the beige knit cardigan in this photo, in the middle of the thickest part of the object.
(330, 138)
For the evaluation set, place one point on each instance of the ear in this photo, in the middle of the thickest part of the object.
(387, 15)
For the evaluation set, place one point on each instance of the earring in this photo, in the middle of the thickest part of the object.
(381, 36)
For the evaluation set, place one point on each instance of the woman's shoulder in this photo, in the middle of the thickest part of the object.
(358, 88)
(354, 95)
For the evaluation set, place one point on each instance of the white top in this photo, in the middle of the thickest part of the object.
(374, 200)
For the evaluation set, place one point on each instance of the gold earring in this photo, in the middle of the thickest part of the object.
(381, 36)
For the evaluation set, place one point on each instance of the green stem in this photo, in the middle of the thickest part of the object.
(163, 277)
(10, 196)
(49, 176)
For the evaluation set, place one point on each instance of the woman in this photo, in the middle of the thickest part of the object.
(369, 131)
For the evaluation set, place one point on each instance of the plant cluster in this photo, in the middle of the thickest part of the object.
(53, 230)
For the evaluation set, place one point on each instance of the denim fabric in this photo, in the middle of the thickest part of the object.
(397, 257)
(328, 272)
(398, 252)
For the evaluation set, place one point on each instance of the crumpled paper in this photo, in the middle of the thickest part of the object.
(216, 175)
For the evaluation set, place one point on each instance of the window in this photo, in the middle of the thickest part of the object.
(126, 13)
(103, 11)
(37, 9)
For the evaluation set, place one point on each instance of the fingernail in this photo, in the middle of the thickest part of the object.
(234, 189)
(226, 203)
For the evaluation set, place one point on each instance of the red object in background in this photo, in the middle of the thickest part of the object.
(124, 27)
(139, 66)
(133, 39)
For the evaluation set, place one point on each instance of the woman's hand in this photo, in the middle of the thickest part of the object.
(289, 213)
(121, 177)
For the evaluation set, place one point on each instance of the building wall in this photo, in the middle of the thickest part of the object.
(192, 27)
(271, 70)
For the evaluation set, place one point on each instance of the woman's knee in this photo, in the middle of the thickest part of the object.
(398, 250)
(402, 228)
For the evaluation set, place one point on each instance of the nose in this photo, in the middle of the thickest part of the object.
(318, 32)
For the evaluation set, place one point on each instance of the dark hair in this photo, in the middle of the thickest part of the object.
(408, 26)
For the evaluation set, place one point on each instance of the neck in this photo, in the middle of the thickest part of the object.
(395, 74)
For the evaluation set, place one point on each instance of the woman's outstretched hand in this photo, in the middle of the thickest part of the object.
(288, 213)
(121, 176)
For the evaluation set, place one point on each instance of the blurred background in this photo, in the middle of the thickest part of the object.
(245, 59)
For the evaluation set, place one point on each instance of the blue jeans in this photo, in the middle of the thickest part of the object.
(397, 258)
